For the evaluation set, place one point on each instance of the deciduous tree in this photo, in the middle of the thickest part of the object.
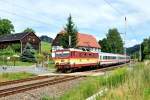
(6, 27)
(113, 42)
(29, 30)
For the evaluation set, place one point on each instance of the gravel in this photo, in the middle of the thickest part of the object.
(51, 91)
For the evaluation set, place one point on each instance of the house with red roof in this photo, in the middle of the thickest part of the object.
(85, 42)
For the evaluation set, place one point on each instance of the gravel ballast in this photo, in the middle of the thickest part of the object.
(51, 91)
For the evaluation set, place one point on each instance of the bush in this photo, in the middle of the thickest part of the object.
(16, 47)
(28, 54)
(7, 52)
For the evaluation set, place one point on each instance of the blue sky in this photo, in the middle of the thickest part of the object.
(95, 17)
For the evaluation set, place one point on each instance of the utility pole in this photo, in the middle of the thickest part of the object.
(140, 53)
(69, 41)
(125, 52)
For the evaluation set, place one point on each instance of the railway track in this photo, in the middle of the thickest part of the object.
(22, 80)
(23, 88)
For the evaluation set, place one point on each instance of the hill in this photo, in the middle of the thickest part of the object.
(46, 38)
(132, 50)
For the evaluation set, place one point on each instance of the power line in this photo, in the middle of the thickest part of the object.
(26, 10)
(114, 7)
(12, 13)
(120, 13)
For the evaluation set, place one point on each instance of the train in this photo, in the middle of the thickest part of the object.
(71, 59)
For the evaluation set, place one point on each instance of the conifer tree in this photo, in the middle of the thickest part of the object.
(28, 54)
(70, 30)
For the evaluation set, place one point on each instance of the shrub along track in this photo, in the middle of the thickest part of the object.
(26, 87)
(109, 68)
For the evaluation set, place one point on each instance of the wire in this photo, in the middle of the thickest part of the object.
(120, 13)
(114, 7)
(12, 13)
(26, 10)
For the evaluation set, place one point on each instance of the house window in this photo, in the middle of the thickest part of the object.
(33, 40)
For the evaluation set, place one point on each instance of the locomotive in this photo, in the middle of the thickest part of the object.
(71, 59)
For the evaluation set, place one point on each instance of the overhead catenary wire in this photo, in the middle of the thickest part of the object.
(129, 26)
(12, 13)
(21, 7)
(120, 13)
(27, 11)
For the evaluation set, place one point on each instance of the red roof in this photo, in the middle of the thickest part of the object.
(86, 40)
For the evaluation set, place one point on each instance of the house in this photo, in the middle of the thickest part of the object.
(22, 39)
(85, 42)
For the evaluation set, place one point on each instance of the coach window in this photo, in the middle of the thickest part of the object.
(104, 57)
(101, 57)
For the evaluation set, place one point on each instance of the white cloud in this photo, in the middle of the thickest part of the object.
(130, 43)
(91, 16)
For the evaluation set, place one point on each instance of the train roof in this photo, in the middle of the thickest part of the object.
(72, 49)
(112, 54)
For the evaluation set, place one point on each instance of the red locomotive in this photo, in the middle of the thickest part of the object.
(70, 59)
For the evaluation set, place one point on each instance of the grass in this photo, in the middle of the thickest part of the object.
(122, 84)
(135, 87)
(17, 63)
(45, 47)
(93, 84)
(14, 76)
(51, 65)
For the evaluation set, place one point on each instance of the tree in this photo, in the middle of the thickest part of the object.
(113, 42)
(29, 30)
(6, 27)
(146, 48)
(70, 30)
(28, 54)
(104, 45)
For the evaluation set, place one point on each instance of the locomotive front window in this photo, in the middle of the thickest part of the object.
(62, 54)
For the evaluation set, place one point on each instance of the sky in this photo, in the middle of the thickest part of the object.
(95, 17)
